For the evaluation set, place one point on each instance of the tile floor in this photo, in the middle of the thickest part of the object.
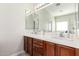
(24, 54)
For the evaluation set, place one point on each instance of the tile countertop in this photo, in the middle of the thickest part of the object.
(59, 40)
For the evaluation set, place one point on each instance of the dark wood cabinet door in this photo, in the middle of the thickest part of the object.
(25, 44)
(38, 47)
(77, 52)
(30, 45)
(37, 51)
(62, 50)
(50, 49)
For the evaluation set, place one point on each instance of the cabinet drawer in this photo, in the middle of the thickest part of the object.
(36, 45)
(38, 42)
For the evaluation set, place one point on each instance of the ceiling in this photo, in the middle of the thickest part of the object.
(63, 8)
(54, 9)
(32, 6)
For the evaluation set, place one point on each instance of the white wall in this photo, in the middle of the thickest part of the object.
(44, 18)
(12, 27)
(29, 22)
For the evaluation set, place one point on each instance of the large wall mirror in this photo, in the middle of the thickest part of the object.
(57, 17)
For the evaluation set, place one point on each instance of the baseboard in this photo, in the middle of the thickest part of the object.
(16, 54)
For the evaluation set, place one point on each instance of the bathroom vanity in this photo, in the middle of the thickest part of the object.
(58, 18)
(43, 46)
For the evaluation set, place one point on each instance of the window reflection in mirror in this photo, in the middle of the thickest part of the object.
(64, 17)
(62, 26)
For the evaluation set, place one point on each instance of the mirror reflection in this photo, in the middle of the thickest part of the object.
(57, 17)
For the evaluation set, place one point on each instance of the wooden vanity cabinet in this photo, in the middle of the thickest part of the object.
(28, 45)
(62, 50)
(50, 49)
(38, 47)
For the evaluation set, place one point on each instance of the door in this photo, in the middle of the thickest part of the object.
(30, 45)
(25, 44)
(50, 49)
(77, 52)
